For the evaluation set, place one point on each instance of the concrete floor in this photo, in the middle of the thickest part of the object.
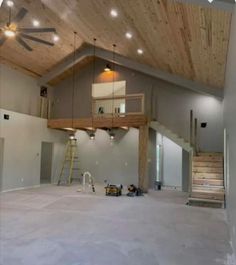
(58, 226)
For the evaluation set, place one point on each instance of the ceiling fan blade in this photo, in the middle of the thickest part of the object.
(36, 30)
(20, 15)
(2, 40)
(36, 39)
(23, 43)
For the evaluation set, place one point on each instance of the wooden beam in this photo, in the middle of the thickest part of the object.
(124, 61)
(99, 122)
(143, 157)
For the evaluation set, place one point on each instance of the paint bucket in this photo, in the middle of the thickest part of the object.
(157, 185)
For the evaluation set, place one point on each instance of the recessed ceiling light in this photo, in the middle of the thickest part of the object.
(114, 13)
(10, 3)
(139, 51)
(128, 35)
(210, 1)
(35, 23)
(56, 38)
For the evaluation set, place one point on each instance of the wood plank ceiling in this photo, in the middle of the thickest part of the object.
(180, 38)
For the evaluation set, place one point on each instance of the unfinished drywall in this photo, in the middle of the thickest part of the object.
(172, 164)
(19, 92)
(23, 135)
(230, 125)
(115, 161)
(168, 103)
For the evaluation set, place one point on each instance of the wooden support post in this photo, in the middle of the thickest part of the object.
(191, 128)
(143, 157)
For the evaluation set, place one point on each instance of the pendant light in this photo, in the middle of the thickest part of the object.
(111, 132)
(92, 133)
(107, 68)
(72, 135)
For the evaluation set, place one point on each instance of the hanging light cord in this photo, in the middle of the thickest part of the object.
(9, 19)
(93, 79)
(73, 83)
(113, 84)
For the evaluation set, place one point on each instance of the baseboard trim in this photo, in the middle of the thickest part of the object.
(21, 188)
(171, 188)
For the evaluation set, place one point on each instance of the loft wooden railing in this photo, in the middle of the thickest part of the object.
(132, 114)
(119, 105)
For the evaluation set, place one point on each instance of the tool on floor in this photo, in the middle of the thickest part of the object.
(113, 190)
(134, 191)
(90, 181)
(70, 164)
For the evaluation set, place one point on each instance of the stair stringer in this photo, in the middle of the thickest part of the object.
(158, 127)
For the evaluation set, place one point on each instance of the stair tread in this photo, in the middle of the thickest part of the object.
(209, 191)
(213, 164)
(208, 158)
(210, 154)
(205, 200)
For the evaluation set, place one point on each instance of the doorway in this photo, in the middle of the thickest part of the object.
(46, 163)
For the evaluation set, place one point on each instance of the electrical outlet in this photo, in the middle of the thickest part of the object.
(96, 162)
(126, 164)
(22, 179)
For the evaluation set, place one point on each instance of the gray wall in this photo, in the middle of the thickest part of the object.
(230, 124)
(171, 104)
(19, 92)
(23, 135)
(115, 161)
(172, 164)
(1, 159)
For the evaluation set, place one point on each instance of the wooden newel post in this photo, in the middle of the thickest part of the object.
(143, 158)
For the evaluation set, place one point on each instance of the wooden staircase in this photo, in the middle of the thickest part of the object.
(207, 180)
(160, 128)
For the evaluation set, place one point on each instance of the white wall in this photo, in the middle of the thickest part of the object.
(23, 135)
(19, 92)
(230, 125)
(115, 161)
(172, 164)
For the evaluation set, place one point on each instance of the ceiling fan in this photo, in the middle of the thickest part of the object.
(12, 29)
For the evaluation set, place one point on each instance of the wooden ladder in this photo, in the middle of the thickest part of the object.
(69, 165)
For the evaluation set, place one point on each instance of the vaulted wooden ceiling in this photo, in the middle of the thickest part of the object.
(180, 38)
